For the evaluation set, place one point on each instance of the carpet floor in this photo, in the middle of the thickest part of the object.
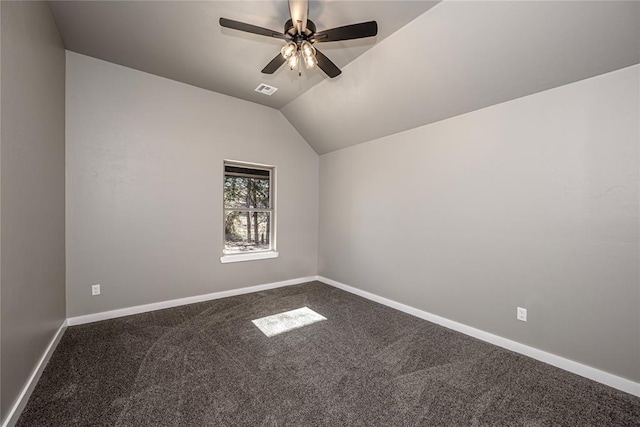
(207, 364)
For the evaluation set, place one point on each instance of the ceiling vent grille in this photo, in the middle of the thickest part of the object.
(266, 89)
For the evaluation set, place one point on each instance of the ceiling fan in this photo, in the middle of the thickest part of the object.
(300, 36)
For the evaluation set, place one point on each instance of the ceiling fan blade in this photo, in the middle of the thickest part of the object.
(253, 29)
(348, 32)
(299, 10)
(274, 64)
(325, 64)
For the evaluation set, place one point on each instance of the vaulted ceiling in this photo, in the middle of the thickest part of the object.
(430, 60)
(183, 41)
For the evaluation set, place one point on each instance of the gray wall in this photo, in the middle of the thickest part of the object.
(144, 188)
(32, 191)
(530, 203)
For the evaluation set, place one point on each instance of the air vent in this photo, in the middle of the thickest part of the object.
(266, 89)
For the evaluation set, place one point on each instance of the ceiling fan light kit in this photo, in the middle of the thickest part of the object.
(288, 50)
(308, 53)
(300, 35)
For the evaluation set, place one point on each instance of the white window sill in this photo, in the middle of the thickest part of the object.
(247, 257)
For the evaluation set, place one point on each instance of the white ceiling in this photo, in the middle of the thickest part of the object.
(182, 40)
(450, 59)
(462, 56)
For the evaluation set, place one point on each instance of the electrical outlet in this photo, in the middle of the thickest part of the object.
(95, 290)
(521, 314)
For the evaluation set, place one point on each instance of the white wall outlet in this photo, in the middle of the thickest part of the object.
(521, 314)
(95, 290)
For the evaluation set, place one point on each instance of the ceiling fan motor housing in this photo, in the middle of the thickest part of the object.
(291, 30)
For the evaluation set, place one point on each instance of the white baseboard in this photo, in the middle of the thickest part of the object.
(23, 398)
(96, 317)
(589, 372)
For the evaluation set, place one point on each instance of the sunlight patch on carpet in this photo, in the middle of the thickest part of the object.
(287, 321)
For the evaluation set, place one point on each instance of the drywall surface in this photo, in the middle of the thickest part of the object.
(32, 191)
(461, 56)
(531, 203)
(144, 188)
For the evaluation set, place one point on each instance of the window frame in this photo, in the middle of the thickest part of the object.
(258, 254)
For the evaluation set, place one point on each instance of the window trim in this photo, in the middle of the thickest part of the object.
(253, 255)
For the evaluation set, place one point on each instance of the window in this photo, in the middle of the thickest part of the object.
(248, 212)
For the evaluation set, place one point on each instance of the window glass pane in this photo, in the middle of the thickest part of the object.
(259, 193)
(247, 231)
(235, 192)
(243, 192)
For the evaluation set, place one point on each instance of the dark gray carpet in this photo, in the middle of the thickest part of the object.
(206, 364)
